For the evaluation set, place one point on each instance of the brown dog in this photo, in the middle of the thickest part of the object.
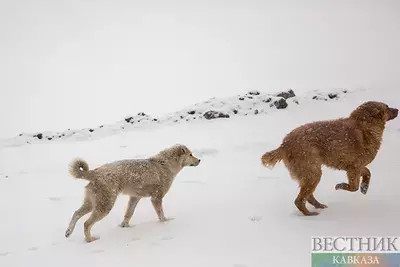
(348, 144)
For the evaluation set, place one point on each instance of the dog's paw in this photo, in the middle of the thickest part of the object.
(364, 188)
(125, 225)
(341, 186)
(321, 206)
(68, 233)
(92, 238)
(166, 219)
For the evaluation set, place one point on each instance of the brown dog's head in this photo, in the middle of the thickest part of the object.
(374, 112)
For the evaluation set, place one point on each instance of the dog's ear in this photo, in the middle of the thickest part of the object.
(181, 151)
(377, 113)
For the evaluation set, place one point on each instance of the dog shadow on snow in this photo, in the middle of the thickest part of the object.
(151, 232)
(349, 209)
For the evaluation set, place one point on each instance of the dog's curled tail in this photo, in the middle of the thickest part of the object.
(79, 169)
(271, 158)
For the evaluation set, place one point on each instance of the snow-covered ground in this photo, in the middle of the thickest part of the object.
(229, 211)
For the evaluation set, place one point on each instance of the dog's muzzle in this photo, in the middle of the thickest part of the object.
(195, 164)
(393, 113)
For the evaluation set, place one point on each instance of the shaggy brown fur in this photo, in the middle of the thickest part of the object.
(348, 144)
(137, 178)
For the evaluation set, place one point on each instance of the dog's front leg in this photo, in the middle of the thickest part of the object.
(353, 177)
(157, 204)
(133, 201)
(366, 178)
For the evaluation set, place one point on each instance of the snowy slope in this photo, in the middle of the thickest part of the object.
(249, 104)
(229, 211)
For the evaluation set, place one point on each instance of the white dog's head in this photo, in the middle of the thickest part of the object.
(179, 154)
(185, 155)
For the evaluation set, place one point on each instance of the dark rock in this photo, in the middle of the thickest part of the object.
(129, 119)
(91, 130)
(101, 126)
(250, 97)
(256, 111)
(267, 100)
(155, 120)
(192, 112)
(235, 111)
(20, 134)
(49, 138)
(322, 98)
(344, 91)
(181, 117)
(287, 94)
(212, 114)
(332, 96)
(39, 135)
(280, 104)
(141, 114)
(241, 98)
(254, 92)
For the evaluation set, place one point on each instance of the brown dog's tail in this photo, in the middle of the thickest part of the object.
(79, 169)
(271, 158)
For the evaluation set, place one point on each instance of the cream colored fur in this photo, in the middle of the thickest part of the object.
(137, 178)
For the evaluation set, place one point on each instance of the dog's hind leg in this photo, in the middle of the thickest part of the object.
(300, 202)
(307, 188)
(133, 201)
(82, 211)
(311, 199)
(103, 205)
(366, 178)
(353, 177)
